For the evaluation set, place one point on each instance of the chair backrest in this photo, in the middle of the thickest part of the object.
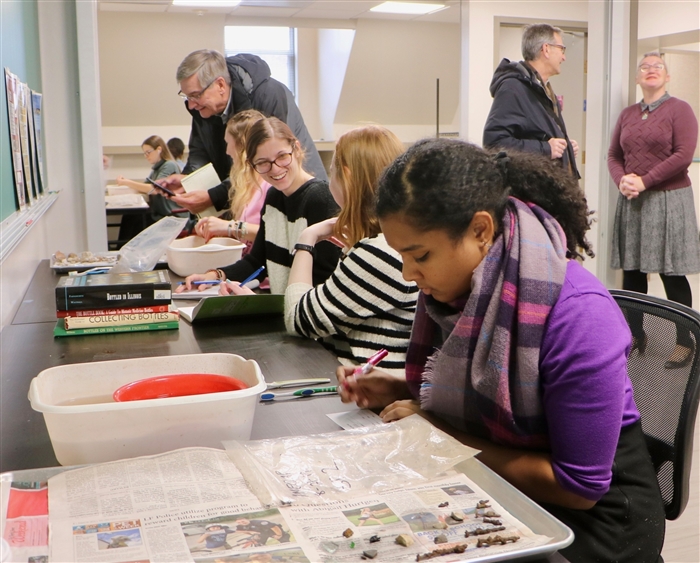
(666, 398)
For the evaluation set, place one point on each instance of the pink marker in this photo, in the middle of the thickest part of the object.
(369, 366)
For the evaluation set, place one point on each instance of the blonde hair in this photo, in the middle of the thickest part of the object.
(360, 157)
(243, 178)
(154, 141)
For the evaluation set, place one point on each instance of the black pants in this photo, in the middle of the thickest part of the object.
(628, 524)
(677, 289)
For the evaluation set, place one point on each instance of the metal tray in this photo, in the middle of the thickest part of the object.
(521, 507)
(109, 258)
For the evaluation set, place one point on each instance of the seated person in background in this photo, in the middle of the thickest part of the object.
(365, 305)
(516, 349)
(177, 149)
(162, 165)
(295, 201)
(216, 88)
(248, 189)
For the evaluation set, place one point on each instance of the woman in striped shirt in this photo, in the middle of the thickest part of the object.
(365, 305)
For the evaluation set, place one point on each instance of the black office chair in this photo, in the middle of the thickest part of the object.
(667, 397)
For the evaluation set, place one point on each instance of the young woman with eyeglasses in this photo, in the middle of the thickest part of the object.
(295, 201)
(162, 165)
(656, 230)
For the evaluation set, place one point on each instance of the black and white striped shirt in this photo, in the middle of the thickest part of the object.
(364, 306)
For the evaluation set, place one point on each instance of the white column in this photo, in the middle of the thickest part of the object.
(91, 125)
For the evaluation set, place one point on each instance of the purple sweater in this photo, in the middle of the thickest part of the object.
(659, 148)
(586, 394)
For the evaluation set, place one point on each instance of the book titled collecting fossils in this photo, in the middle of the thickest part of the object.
(102, 291)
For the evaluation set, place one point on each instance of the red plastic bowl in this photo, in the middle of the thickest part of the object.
(177, 385)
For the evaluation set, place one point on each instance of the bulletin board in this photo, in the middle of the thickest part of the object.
(19, 35)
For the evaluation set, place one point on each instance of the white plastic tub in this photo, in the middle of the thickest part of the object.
(107, 431)
(191, 255)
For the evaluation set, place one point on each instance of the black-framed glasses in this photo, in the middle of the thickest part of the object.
(195, 97)
(264, 166)
(656, 66)
(562, 47)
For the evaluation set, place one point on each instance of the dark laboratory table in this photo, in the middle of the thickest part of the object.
(27, 347)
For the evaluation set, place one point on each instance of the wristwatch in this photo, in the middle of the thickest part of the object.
(307, 247)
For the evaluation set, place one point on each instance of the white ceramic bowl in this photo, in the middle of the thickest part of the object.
(191, 255)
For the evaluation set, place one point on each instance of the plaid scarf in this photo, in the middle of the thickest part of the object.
(485, 378)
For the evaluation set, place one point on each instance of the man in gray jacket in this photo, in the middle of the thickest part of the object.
(214, 89)
(525, 114)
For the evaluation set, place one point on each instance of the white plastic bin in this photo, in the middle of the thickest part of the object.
(191, 255)
(107, 431)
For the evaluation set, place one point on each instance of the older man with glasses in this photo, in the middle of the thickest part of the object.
(526, 114)
(214, 89)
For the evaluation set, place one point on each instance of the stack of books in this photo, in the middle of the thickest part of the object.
(106, 303)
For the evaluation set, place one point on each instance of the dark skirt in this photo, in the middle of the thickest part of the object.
(657, 233)
(628, 524)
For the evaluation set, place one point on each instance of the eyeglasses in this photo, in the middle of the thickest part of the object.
(656, 66)
(562, 47)
(195, 97)
(148, 153)
(264, 166)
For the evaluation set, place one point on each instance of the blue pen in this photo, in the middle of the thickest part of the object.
(252, 276)
(203, 282)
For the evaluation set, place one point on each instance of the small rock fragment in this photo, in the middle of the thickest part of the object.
(404, 540)
(443, 504)
(330, 546)
(374, 539)
(457, 517)
(442, 538)
(439, 526)
(369, 553)
(348, 533)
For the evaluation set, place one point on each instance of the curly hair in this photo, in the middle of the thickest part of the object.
(439, 184)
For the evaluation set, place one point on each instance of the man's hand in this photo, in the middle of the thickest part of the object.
(194, 201)
(557, 146)
(574, 144)
(174, 182)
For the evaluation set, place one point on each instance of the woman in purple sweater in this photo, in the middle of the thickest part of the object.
(655, 226)
(516, 349)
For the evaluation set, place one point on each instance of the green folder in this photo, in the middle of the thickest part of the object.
(234, 306)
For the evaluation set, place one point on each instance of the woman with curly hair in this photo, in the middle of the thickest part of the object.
(516, 349)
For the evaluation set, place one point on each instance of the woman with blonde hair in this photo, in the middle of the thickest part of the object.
(248, 189)
(365, 305)
(295, 201)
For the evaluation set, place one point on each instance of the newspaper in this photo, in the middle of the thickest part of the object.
(194, 505)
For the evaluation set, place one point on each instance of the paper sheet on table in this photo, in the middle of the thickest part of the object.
(360, 418)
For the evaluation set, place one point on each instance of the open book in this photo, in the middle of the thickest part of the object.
(202, 179)
(223, 306)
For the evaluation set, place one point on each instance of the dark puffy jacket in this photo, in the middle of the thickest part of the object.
(253, 88)
(522, 116)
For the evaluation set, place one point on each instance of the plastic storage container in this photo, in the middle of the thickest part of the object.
(191, 255)
(100, 430)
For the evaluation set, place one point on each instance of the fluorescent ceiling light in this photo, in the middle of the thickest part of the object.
(207, 3)
(413, 8)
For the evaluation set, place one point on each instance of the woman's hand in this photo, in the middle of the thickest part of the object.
(317, 232)
(631, 186)
(210, 227)
(122, 181)
(377, 389)
(234, 288)
(401, 409)
(187, 286)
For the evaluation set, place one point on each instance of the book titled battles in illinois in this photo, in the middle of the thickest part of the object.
(102, 291)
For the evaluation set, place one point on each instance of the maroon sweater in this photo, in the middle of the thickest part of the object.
(659, 148)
